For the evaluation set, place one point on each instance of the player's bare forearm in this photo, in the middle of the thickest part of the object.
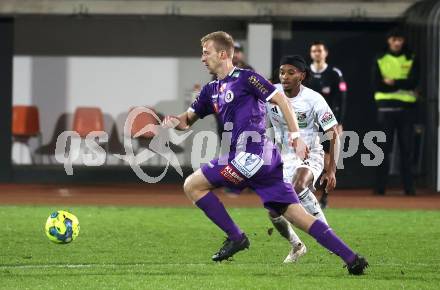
(301, 148)
(186, 120)
(330, 174)
(281, 100)
(335, 144)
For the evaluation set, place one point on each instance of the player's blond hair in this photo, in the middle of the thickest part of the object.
(222, 41)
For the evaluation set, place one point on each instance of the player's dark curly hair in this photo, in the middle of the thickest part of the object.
(298, 62)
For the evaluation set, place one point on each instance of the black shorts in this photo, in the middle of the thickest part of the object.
(325, 144)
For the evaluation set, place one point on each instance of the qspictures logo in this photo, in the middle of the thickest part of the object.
(160, 144)
(202, 149)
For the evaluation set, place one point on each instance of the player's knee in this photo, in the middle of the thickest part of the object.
(299, 217)
(188, 187)
(299, 185)
(273, 214)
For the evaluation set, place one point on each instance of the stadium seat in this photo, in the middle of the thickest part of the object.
(88, 119)
(141, 121)
(146, 120)
(26, 125)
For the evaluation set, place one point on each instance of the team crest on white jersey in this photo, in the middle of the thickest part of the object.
(302, 119)
(229, 97)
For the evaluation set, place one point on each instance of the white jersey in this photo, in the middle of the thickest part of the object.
(312, 112)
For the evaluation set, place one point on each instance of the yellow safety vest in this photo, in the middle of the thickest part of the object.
(396, 68)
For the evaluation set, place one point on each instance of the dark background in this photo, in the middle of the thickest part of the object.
(352, 48)
(6, 53)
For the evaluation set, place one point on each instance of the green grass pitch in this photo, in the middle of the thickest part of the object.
(170, 248)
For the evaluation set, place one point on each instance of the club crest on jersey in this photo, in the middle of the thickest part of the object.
(302, 119)
(229, 97)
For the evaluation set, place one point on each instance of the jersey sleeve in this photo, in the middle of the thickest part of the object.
(202, 105)
(259, 86)
(340, 100)
(342, 85)
(323, 114)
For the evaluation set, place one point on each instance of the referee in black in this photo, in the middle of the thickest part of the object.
(329, 82)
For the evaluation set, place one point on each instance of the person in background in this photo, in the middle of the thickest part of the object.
(238, 58)
(328, 80)
(395, 77)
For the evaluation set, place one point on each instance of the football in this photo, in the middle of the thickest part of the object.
(62, 227)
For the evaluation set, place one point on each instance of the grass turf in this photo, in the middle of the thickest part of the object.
(170, 248)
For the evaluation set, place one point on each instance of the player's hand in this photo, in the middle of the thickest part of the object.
(389, 82)
(330, 177)
(170, 122)
(301, 149)
(340, 129)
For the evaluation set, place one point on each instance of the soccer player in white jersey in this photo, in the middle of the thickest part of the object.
(312, 112)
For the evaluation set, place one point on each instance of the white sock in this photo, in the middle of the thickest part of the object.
(310, 203)
(285, 229)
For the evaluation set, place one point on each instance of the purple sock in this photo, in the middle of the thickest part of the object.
(327, 238)
(217, 213)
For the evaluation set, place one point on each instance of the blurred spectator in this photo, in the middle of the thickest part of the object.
(239, 58)
(395, 77)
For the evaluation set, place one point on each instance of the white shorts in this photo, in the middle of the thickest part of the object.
(315, 162)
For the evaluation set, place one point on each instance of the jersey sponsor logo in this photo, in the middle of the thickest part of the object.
(247, 163)
(274, 110)
(302, 119)
(256, 83)
(327, 118)
(215, 102)
(231, 174)
(222, 88)
(229, 97)
(215, 106)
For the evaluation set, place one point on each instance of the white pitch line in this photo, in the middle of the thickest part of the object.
(41, 266)
(45, 266)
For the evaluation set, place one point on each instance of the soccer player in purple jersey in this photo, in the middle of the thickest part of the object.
(238, 99)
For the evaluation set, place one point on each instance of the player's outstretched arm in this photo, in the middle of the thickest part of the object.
(335, 143)
(181, 122)
(292, 124)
